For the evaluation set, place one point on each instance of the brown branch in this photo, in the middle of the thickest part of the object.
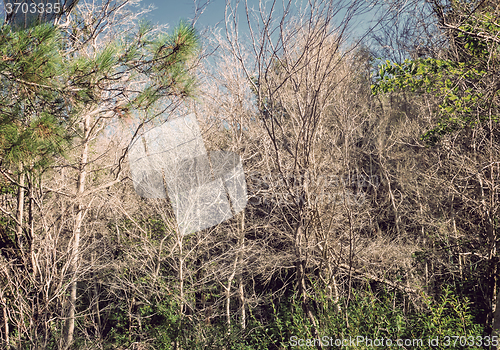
(379, 279)
(480, 35)
(10, 215)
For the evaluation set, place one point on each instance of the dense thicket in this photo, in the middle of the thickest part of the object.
(372, 194)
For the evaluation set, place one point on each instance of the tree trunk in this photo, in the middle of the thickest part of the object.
(5, 319)
(95, 293)
(20, 207)
(31, 228)
(300, 268)
(496, 307)
(181, 275)
(228, 294)
(69, 325)
(241, 288)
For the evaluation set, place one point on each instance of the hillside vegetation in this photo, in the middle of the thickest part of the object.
(372, 171)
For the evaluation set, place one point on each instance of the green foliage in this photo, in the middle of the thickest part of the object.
(84, 74)
(44, 91)
(165, 59)
(477, 32)
(449, 316)
(466, 86)
(375, 316)
(382, 315)
(451, 81)
(33, 115)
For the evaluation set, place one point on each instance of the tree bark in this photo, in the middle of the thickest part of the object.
(69, 325)
(241, 288)
(31, 228)
(5, 319)
(20, 207)
(496, 304)
(228, 294)
(301, 280)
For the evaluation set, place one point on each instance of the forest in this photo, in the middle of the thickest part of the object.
(370, 151)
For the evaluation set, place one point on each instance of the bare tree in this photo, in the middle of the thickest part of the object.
(108, 80)
(298, 67)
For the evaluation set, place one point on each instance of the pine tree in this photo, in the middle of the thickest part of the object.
(54, 94)
(33, 117)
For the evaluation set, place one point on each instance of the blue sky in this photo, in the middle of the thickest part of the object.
(171, 12)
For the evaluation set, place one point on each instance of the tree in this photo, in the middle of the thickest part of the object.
(35, 127)
(304, 79)
(466, 83)
(161, 61)
(76, 80)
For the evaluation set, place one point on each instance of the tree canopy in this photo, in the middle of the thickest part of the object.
(466, 79)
